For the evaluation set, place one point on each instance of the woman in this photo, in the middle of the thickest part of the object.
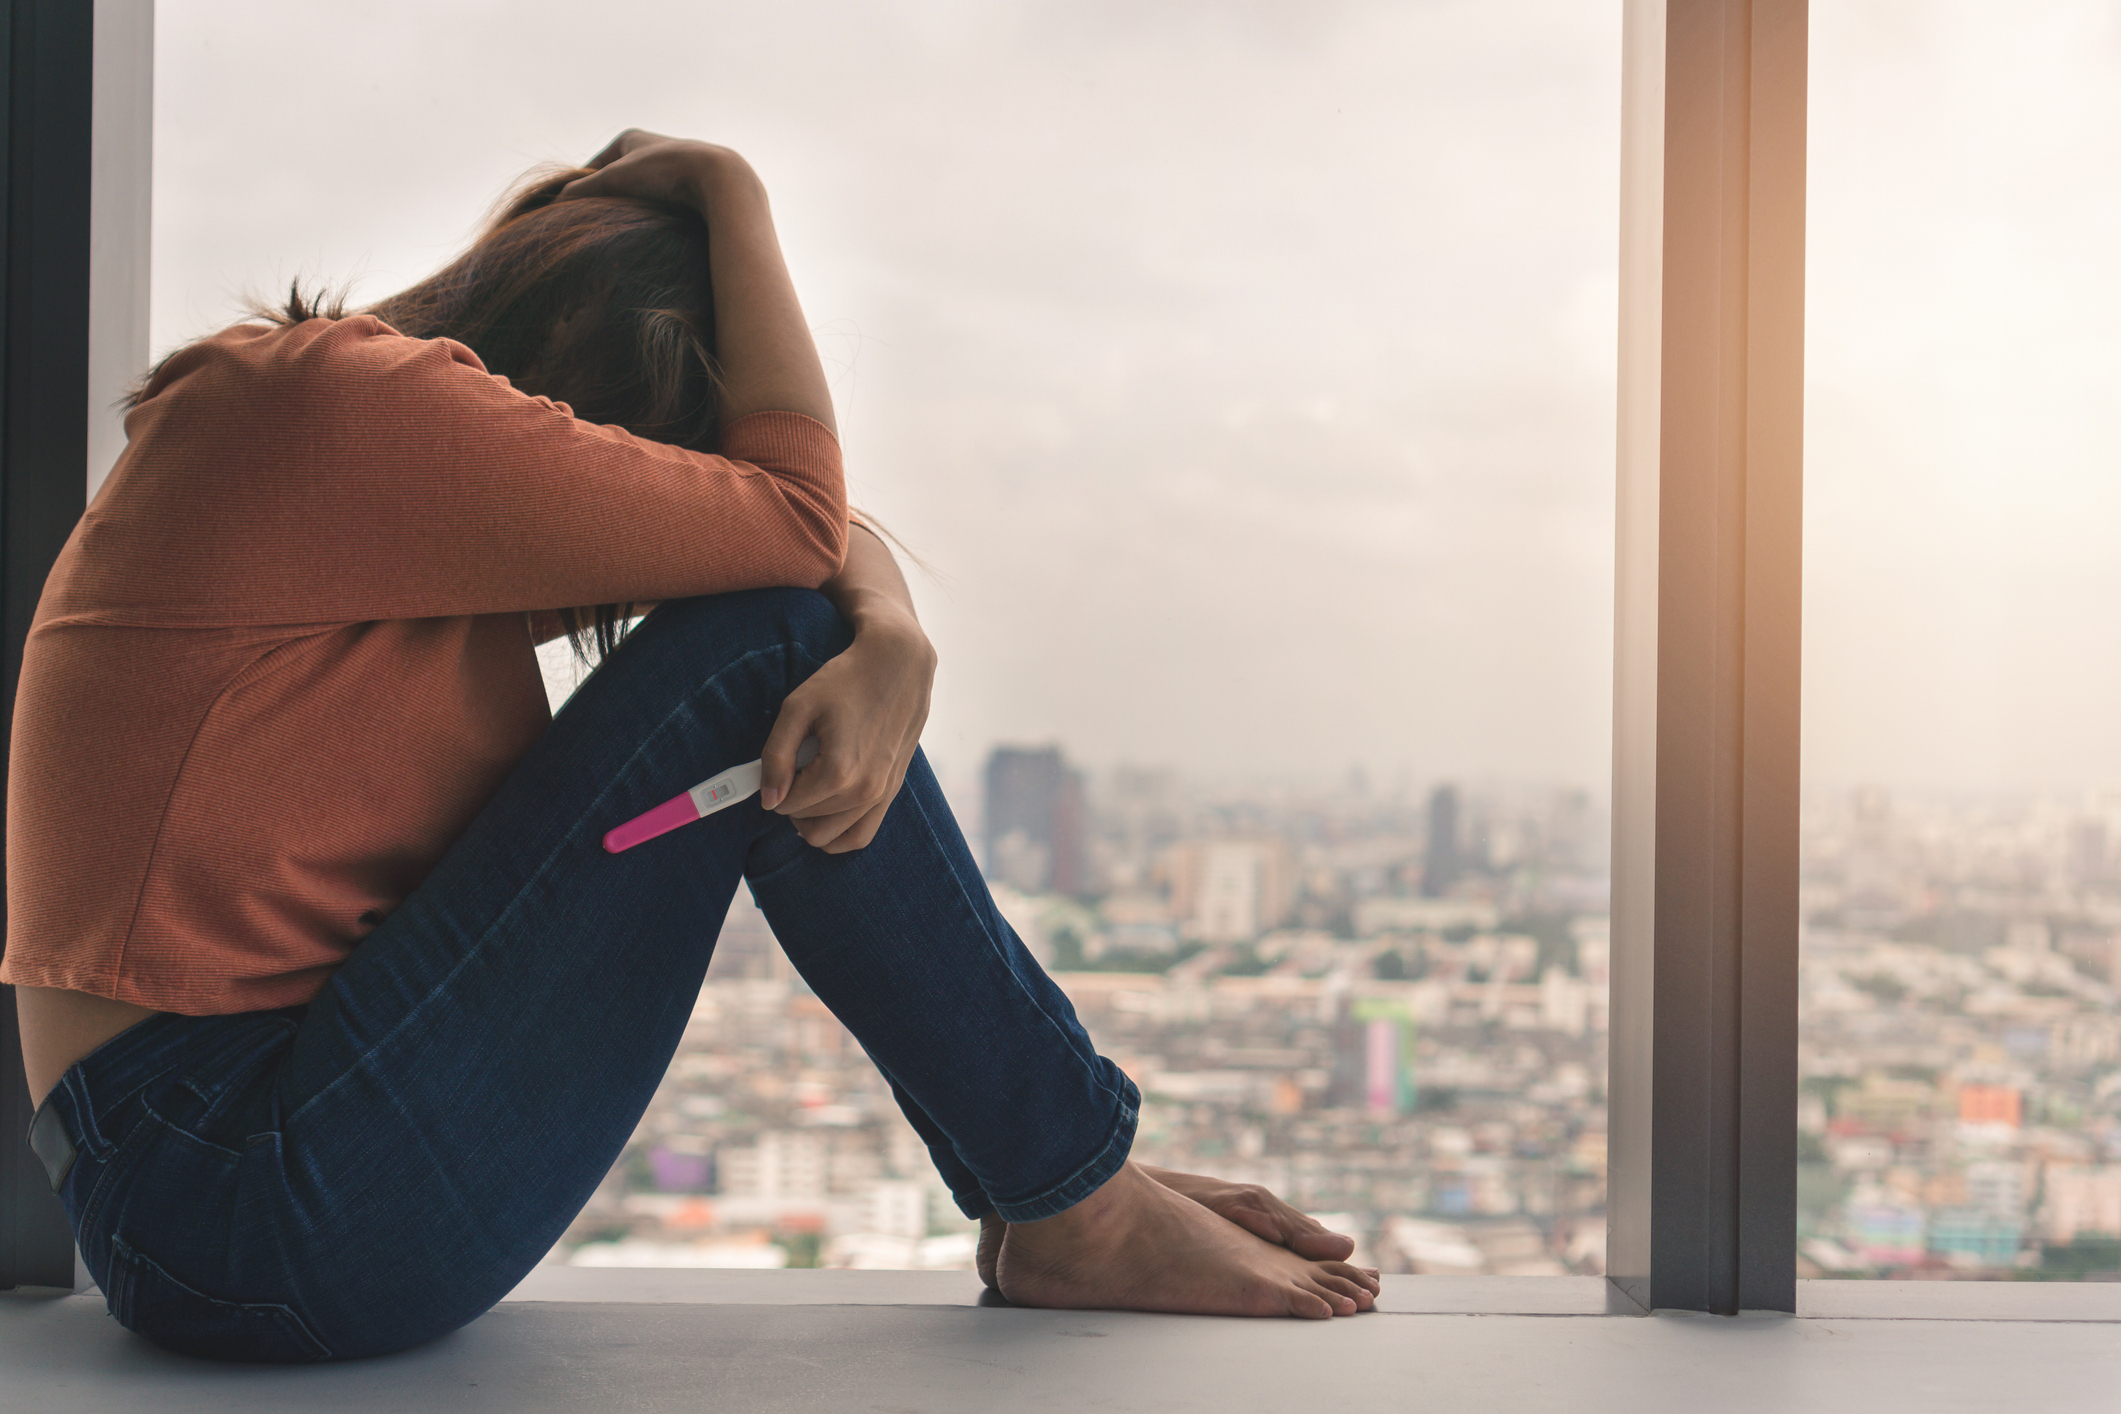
(338, 1009)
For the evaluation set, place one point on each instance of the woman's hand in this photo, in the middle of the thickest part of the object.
(866, 708)
(768, 361)
(650, 167)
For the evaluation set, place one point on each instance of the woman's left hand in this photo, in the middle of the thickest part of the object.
(866, 708)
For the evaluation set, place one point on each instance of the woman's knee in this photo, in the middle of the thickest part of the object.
(753, 619)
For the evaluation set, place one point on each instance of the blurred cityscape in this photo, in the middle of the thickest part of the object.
(1387, 1005)
(1960, 1052)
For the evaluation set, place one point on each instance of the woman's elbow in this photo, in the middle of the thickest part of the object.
(826, 550)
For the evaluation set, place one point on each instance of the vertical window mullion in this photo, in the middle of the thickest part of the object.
(1703, 1088)
(78, 125)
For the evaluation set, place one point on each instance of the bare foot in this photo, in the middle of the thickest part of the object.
(1255, 1209)
(1259, 1212)
(1135, 1245)
(991, 1231)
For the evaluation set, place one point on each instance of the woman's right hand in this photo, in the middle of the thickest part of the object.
(768, 361)
(651, 167)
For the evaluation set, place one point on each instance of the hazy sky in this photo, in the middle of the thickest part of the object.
(1964, 458)
(1245, 370)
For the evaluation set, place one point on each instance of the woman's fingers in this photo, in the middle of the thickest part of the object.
(777, 769)
(865, 706)
(843, 778)
(828, 802)
(611, 152)
(863, 831)
(820, 831)
(624, 143)
(843, 831)
(849, 803)
(645, 166)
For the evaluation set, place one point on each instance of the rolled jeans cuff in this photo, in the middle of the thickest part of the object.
(1087, 1179)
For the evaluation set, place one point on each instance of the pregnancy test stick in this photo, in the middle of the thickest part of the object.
(715, 793)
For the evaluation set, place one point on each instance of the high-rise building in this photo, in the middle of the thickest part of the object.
(1229, 891)
(1035, 827)
(1442, 863)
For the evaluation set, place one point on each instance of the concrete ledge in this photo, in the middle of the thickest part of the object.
(662, 1286)
(1438, 1296)
(769, 1355)
(1498, 1296)
(2096, 1301)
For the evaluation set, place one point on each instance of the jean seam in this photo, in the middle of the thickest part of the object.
(1043, 1205)
(985, 1204)
(90, 1136)
(119, 1166)
(169, 1126)
(531, 880)
(131, 1260)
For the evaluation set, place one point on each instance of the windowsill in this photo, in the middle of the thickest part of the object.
(650, 1340)
(1434, 1296)
(1403, 1296)
(2069, 1302)
(2077, 1301)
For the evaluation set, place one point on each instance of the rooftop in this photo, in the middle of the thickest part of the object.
(645, 1340)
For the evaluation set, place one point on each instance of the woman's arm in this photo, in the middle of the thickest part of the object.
(866, 708)
(768, 360)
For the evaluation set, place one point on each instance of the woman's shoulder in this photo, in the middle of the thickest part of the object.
(334, 355)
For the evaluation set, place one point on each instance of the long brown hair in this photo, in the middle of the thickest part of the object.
(604, 304)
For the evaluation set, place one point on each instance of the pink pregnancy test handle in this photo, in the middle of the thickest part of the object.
(676, 811)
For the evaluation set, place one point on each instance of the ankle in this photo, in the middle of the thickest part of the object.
(1106, 1211)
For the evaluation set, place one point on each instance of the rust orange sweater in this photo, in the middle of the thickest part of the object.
(286, 655)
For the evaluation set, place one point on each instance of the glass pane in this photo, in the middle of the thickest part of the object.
(1246, 377)
(1959, 1034)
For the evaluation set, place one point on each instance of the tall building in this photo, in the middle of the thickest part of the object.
(1229, 891)
(1036, 828)
(1442, 863)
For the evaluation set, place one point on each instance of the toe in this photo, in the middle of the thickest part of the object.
(1322, 1246)
(1365, 1277)
(1341, 1286)
(1341, 1305)
(1310, 1304)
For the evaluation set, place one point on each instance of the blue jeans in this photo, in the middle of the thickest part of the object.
(379, 1167)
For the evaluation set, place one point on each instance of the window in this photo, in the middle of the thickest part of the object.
(1961, 1051)
(233, 203)
(1248, 379)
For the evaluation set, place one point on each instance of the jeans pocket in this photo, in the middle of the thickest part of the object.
(150, 1302)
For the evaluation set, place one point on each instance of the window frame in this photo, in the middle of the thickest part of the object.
(1701, 1195)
